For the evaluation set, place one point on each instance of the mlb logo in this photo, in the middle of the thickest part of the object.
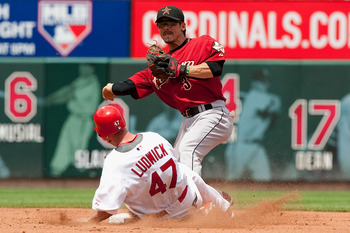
(64, 24)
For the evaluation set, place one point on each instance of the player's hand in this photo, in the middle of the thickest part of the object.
(172, 66)
(233, 114)
(107, 92)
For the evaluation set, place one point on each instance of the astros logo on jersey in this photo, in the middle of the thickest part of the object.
(158, 83)
(218, 47)
(64, 24)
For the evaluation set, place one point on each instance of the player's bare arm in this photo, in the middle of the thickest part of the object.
(205, 70)
(99, 216)
(199, 71)
(96, 217)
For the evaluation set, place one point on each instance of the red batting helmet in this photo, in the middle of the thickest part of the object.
(108, 120)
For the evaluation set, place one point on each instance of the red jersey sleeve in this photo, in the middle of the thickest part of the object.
(142, 83)
(216, 50)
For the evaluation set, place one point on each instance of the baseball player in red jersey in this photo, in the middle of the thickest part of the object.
(142, 172)
(193, 87)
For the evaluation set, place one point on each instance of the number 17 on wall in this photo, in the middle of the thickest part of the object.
(298, 112)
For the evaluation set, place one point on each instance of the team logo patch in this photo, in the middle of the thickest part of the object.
(158, 83)
(64, 24)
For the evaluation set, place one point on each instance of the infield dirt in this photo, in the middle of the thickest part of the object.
(264, 217)
(257, 220)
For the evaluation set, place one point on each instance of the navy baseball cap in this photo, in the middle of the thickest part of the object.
(171, 12)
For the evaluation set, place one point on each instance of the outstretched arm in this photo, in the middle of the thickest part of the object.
(126, 87)
(98, 216)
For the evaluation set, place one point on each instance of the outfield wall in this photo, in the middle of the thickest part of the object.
(291, 118)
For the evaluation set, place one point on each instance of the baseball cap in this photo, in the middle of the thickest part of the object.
(171, 12)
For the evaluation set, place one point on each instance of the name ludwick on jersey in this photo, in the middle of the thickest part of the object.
(149, 159)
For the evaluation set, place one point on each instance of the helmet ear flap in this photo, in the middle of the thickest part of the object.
(108, 120)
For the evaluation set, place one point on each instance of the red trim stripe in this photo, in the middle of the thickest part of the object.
(183, 195)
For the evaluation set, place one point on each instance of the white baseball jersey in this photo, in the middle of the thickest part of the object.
(144, 175)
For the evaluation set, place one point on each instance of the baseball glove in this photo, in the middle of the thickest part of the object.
(156, 60)
(162, 65)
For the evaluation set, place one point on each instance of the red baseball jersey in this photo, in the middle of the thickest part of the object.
(181, 93)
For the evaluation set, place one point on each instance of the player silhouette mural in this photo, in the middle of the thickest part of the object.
(81, 97)
(260, 109)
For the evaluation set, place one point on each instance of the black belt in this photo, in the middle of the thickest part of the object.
(190, 112)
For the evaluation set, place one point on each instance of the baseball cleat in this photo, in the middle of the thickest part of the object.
(230, 213)
(205, 209)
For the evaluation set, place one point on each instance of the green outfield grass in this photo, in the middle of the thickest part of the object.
(46, 197)
(335, 201)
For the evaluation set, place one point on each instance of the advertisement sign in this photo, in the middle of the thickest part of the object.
(65, 24)
(247, 30)
(54, 28)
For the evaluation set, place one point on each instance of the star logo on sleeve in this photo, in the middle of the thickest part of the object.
(218, 47)
(166, 10)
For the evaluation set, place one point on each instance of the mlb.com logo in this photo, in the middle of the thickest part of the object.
(64, 24)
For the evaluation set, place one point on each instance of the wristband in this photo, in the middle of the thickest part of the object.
(183, 71)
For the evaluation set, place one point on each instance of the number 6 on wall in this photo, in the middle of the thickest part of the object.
(330, 109)
(20, 102)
